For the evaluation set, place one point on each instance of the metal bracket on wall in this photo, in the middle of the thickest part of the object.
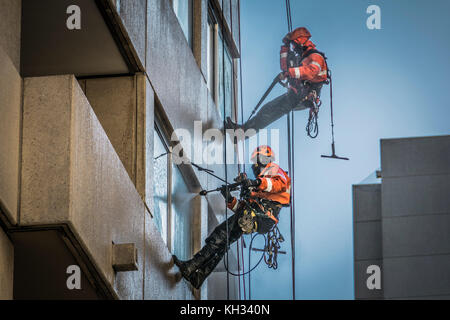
(125, 257)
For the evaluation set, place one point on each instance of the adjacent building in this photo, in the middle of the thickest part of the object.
(92, 205)
(402, 222)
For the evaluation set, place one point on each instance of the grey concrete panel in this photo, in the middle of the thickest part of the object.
(415, 156)
(105, 206)
(172, 68)
(162, 280)
(366, 202)
(415, 195)
(46, 150)
(133, 14)
(416, 276)
(416, 235)
(6, 267)
(114, 103)
(10, 28)
(71, 174)
(367, 240)
(10, 111)
(145, 128)
(200, 25)
(361, 276)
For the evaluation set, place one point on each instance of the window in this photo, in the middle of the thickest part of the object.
(181, 212)
(211, 52)
(172, 201)
(225, 81)
(183, 11)
(160, 184)
(220, 68)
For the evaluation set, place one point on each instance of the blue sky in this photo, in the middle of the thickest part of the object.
(387, 83)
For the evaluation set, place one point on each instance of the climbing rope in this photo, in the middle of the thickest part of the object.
(312, 126)
(225, 148)
(241, 91)
(291, 164)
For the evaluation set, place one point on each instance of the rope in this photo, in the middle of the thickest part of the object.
(331, 106)
(291, 160)
(254, 267)
(225, 146)
(241, 91)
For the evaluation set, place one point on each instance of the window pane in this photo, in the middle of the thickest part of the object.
(181, 216)
(183, 11)
(210, 55)
(160, 172)
(225, 81)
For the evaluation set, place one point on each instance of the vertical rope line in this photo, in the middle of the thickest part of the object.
(293, 203)
(241, 92)
(236, 115)
(291, 157)
(243, 267)
(225, 148)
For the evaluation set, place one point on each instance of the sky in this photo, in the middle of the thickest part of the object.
(387, 83)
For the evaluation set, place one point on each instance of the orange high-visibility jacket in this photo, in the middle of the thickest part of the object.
(312, 68)
(275, 186)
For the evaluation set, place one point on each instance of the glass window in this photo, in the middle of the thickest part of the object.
(225, 79)
(211, 36)
(183, 11)
(160, 184)
(172, 201)
(181, 216)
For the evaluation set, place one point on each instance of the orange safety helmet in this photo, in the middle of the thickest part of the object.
(300, 35)
(264, 154)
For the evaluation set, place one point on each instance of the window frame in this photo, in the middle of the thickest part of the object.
(171, 166)
(190, 37)
(165, 142)
(219, 37)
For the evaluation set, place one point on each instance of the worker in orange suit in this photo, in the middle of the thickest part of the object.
(257, 212)
(306, 71)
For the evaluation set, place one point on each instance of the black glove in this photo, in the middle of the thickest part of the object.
(241, 177)
(251, 183)
(224, 193)
(287, 39)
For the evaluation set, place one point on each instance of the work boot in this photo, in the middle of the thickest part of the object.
(229, 124)
(188, 267)
(199, 276)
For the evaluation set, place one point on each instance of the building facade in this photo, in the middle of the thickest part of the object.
(92, 93)
(402, 222)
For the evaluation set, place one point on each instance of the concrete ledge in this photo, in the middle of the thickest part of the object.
(10, 118)
(72, 175)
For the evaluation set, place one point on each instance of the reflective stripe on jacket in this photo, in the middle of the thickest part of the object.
(275, 185)
(312, 68)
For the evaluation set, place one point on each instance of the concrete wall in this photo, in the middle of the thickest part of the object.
(10, 107)
(416, 216)
(366, 237)
(72, 175)
(6, 267)
(10, 26)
